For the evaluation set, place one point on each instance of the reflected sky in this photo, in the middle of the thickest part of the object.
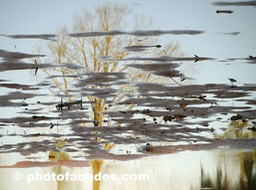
(219, 41)
(216, 38)
(36, 17)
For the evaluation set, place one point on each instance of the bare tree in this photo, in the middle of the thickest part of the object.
(87, 52)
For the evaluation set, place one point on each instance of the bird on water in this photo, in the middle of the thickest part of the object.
(232, 80)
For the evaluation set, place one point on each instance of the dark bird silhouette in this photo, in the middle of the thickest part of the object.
(196, 58)
(52, 125)
(36, 69)
(232, 81)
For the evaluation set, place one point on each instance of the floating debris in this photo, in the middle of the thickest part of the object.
(140, 48)
(36, 68)
(148, 147)
(168, 118)
(236, 117)
(61, 105)
(224, 11)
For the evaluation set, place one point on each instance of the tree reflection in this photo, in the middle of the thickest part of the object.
(91, 54)
(57, 156)
(225, 178)
(96, 166)
(237, 129)
(62, 185)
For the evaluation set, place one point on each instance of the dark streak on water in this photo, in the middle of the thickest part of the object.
(110, 33)
(239, 3)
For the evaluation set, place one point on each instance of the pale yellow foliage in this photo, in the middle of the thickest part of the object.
(86, 52)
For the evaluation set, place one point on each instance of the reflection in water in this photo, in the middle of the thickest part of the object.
(229, 176)
(216, 169)
(237, 129)
(111, 85)
(114, 88)
(54, 156)
(96, 166)
(62, 185)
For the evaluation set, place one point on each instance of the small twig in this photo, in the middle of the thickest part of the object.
(176, 82)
